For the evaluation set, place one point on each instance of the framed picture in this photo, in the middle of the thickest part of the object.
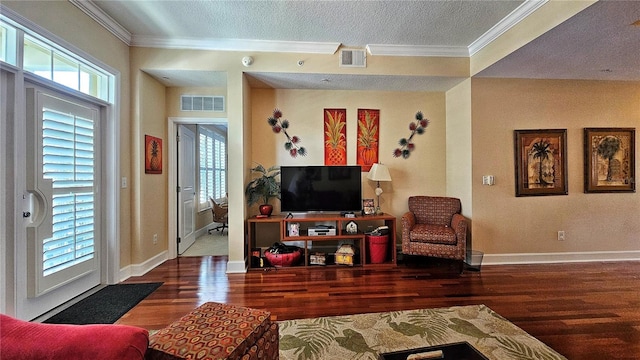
(541, 162)
(152, 155)
(609, 160)
(294, 229)
(368, 207)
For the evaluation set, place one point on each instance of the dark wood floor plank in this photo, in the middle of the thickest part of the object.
(582, 310)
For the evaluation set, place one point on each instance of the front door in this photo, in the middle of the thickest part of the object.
(63, 182)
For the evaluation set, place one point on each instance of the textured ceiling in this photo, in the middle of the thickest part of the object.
(352, 23)
(598, 43)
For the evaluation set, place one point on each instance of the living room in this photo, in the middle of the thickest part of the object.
(470, 135)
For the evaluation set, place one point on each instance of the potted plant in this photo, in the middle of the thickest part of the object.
(263, 187)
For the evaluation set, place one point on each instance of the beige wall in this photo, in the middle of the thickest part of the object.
(423, 173)
(505, 224)
(150, 191)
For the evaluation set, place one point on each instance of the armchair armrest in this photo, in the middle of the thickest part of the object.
(408, 222)
(459, 225)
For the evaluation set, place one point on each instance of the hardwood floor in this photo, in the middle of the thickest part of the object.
(582, 310)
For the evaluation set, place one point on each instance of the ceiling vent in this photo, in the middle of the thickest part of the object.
(353, 58)
(201, 103)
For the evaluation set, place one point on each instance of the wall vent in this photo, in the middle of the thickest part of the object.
(201, 103)
(353, 58)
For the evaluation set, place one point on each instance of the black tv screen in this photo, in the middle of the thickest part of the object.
(321, 188)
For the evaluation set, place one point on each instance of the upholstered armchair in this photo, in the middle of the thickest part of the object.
(433, 226)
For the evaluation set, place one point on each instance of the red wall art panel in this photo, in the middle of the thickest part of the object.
(152, 155)
(368, 136)
(335, 136)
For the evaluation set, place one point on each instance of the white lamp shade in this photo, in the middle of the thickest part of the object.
(379, 172)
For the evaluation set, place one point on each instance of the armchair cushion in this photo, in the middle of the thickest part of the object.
(434, 234)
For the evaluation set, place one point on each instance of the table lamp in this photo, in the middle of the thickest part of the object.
(378, 173)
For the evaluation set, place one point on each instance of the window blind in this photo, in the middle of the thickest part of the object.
(68, 160)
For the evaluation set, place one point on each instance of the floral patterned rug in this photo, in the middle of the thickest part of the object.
(365, 336)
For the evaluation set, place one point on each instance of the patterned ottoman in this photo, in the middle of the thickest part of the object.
(217, 331)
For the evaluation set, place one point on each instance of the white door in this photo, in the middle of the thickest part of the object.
(187, 185)
(63, 182)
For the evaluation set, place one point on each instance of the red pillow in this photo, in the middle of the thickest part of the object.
(29, 340)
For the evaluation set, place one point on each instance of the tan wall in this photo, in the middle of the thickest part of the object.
(423, 173)
(150, 190)
(503, 223)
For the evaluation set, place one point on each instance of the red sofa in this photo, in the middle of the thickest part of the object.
(30, 340)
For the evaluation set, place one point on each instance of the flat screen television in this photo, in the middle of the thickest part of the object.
(321, 188)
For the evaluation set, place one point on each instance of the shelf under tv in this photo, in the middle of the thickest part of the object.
(312, 243)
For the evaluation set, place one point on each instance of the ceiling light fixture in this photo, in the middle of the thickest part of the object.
(637, 23)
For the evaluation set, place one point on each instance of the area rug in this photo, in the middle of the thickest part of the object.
(365, 336)
(105, 306)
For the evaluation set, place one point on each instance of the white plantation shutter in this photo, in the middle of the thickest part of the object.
(213, 166)
(68, 160)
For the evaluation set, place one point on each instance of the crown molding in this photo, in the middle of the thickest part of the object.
(520, 13)
(236, 45)
(89, 8)
(417, 50)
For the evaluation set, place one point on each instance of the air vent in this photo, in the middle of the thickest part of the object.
(201, 103)
(353, 58)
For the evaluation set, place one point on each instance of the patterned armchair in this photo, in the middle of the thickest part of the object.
(434, 227)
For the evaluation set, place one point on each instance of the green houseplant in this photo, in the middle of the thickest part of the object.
(263, 187)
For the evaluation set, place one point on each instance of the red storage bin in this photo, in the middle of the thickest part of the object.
(377, 246)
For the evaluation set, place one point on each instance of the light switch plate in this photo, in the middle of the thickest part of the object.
(488, 180)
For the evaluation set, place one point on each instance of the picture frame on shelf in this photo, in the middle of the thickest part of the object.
(368, 207)
(609, 160)
(294, 229)
(541, 162)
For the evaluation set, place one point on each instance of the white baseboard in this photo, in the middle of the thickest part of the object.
(141, 269)
(567, 257)
(236, 267)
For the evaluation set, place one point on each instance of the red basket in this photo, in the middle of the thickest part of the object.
(284, 260)
(377, 248)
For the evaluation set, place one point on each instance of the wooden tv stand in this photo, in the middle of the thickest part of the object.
(314, 244)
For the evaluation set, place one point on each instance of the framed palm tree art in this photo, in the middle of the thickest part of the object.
(609, 160)
(541, 162)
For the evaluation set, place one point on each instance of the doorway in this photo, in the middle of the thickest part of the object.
(194, 178)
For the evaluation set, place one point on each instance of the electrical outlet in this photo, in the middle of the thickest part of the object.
(155, 239)
(561, 235)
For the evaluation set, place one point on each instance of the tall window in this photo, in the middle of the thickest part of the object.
(213, 165)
